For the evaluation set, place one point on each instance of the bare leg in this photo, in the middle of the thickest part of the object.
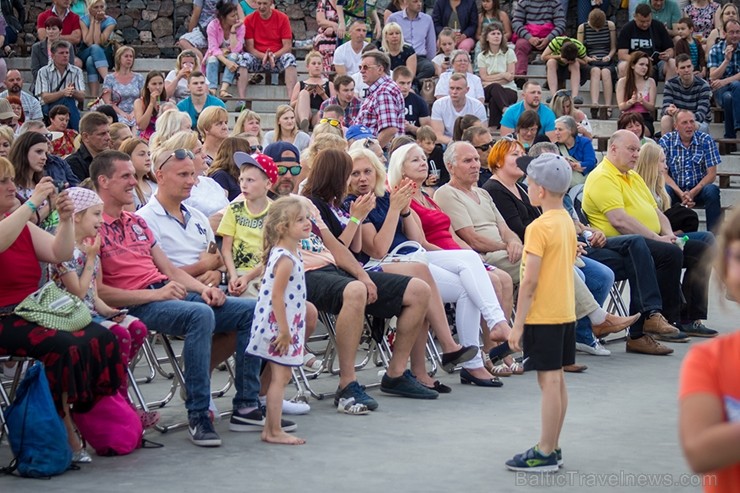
(436, 313)
(242, 82)
(575, 79)
(185, 45)
(553, 408)
(273, 432)
(552, 76)
(303, 108)
(666, 124)
(291, 77)
(595, 79)
(608, 85)
(72, 438)
(410, 322)
(418, 358)
(349, 326)
(223, 345)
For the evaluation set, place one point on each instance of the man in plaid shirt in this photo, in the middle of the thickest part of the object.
(724, 73)
(692, 158)
(382, 111)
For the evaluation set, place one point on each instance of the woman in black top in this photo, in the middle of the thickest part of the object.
(393, 45)
(508, 194)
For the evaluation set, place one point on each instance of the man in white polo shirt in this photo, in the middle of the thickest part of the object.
(446, 110)
(189, 243)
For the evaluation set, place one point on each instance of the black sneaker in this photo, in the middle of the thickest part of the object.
(202, 432)
(406, 386)
(354, 389)
(254, 420)
(698, 329)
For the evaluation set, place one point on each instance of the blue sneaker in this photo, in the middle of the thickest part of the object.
(354, 389)
(533, 461)
(202, 432)
(406, 386)
(559, 453)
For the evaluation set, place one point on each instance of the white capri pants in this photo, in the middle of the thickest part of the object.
(462, 279)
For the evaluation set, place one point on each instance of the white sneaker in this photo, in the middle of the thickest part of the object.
(296, 406)
(596, 349)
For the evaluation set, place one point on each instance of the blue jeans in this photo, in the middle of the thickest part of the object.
(213, 65)
(93, 57)
(709, 199)
(630, 258)
(197, 321)
(728, 97)
(74, 111)
(599, 279)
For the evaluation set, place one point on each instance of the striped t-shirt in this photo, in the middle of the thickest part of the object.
(598, 43)
(557, 43)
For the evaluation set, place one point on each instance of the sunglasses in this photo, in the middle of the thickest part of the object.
(179, 154)
(294, 170)
(255, 149)
(484, 147)
(49, 136)
(367, 67)
(331, 121)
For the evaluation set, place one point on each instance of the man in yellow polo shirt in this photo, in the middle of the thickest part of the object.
(617, 202)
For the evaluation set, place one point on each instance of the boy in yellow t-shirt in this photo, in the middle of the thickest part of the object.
(241, 226)
(545, 316)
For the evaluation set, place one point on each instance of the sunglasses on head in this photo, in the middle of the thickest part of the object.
(485, 147)
(331, 121)
(294, 170)
(178, 154)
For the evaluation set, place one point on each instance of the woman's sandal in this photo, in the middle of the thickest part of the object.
(516, 368)
(501, 370)
(224, 94)
(311, 363)
(349, 406)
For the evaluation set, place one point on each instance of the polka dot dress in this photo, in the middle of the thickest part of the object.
(265, 327)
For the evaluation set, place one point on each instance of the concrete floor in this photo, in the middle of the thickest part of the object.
(620, 431)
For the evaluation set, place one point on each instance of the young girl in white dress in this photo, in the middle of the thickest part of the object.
(279, 317)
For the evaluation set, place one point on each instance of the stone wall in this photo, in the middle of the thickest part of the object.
(153, 26)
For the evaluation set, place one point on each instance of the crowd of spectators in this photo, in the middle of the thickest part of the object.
(380, 161)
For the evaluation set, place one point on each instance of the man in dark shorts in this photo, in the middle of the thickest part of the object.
(336, 283)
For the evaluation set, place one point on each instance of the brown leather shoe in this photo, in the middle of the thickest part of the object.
(613, 324)
(575, 368)
(657, 324)
(647, 345)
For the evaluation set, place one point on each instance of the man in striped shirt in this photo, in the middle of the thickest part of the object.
(686, 91)
(536, 23)
(566, 57)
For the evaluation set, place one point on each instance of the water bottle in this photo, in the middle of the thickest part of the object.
(274, 78)
(681, 241)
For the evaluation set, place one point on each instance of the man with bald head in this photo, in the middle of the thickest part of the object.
(617, 202)
(14, 87)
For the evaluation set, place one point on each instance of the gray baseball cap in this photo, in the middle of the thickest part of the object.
(550, 171)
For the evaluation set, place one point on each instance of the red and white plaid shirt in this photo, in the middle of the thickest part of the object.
(383, 107)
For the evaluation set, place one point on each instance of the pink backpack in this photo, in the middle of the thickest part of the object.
(111, 427)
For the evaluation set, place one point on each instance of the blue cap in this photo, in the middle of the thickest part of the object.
(359, 132)
(276, 150)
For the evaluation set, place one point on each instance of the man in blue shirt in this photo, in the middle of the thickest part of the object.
(692, 158)
(531, 100)
(199, 98)
(418, 31)
(724, 73)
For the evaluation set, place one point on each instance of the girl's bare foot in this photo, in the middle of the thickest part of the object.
(282, 438)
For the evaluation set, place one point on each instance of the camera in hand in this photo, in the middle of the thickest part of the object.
(60, 185)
